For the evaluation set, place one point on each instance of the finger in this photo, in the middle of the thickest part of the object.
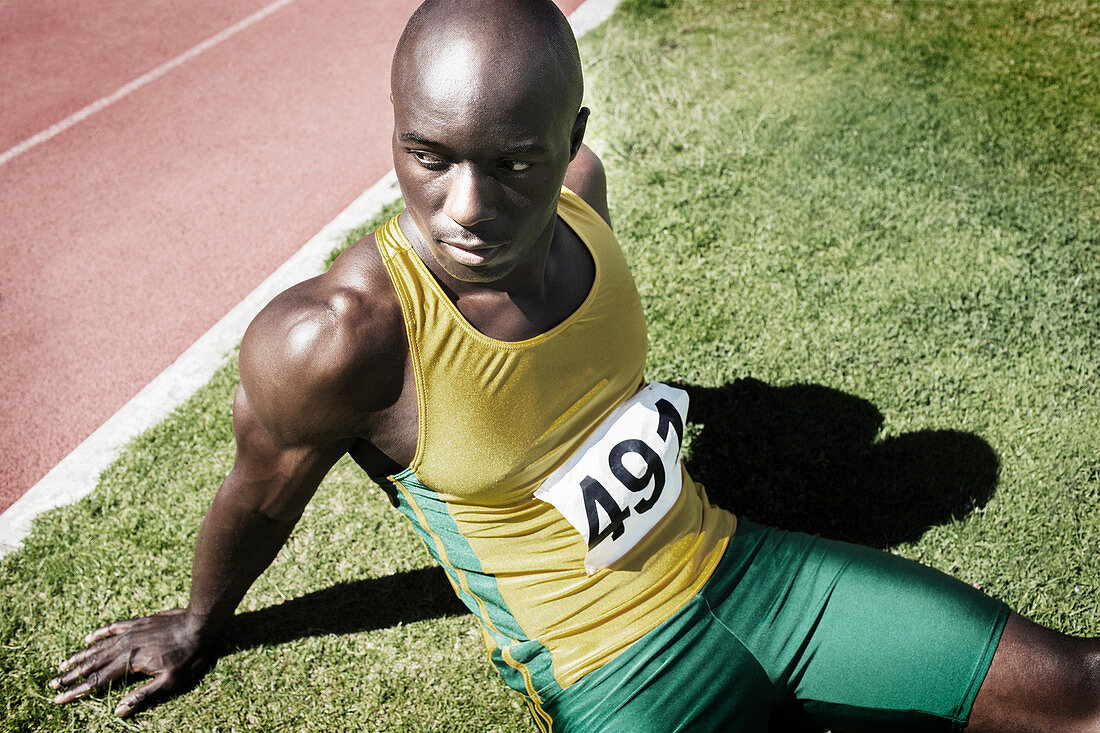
(96, 648)
(142, 697)
(73, 694)
(91, 678)
(97, 673)
(77, 658)
(117, 627)
(66, 680)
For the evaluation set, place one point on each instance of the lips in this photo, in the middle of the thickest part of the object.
(470, 255)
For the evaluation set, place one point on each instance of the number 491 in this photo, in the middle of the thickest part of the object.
(595, 494)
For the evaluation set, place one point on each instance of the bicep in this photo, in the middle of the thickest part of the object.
(585, 177)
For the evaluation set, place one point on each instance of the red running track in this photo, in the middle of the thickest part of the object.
(127, 236)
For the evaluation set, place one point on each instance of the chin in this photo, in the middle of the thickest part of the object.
(482, 275)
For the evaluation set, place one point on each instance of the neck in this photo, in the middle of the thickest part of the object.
(529, 279)
(532, 298)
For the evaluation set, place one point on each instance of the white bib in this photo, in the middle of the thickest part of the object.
(625, 477)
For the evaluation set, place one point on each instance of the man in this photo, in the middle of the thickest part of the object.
(482, 356)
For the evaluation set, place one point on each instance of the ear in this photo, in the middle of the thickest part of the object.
(576, 137)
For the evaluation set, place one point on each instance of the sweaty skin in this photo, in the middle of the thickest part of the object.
(487, 125)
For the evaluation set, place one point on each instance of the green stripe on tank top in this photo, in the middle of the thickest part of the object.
(461, 558)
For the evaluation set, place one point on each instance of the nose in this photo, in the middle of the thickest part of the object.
(469, 197)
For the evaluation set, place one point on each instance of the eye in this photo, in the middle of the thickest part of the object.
(515, 166)
(431, 161)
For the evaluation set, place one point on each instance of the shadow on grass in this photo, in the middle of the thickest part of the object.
(348, 608)
(804, 457)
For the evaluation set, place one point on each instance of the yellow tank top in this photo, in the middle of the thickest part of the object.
(497, 418)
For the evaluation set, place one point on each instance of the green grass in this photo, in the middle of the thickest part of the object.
(867, 238)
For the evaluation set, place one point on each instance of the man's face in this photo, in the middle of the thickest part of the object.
(480, 158)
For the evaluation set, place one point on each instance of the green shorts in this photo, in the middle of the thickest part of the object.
(862, 639)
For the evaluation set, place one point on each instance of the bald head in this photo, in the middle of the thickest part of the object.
(486, 118)
(486, 48)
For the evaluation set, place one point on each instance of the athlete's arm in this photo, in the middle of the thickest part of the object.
(585, 177)
(289, 431)
(249, 520)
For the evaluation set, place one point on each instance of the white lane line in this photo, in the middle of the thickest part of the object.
(83, 114)
(78, 473)
(590, 14)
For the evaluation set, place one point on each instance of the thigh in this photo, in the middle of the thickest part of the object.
(1040, 680)
(863, 639)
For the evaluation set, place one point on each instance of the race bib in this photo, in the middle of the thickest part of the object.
(617, 486)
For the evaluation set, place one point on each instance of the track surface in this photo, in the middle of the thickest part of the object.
(125, 237)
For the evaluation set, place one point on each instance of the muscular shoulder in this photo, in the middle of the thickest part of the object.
(585, 177)
(327, 352)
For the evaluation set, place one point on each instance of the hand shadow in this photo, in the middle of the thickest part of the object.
(805, 458)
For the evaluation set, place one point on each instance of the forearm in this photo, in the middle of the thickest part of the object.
(251, 516)
(236, 543)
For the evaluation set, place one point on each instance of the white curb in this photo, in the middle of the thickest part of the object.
(78, 473)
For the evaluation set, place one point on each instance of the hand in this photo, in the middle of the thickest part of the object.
(165, 646)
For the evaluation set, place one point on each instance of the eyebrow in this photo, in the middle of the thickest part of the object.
(523, 148)
(526, 149)
(412, 137)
